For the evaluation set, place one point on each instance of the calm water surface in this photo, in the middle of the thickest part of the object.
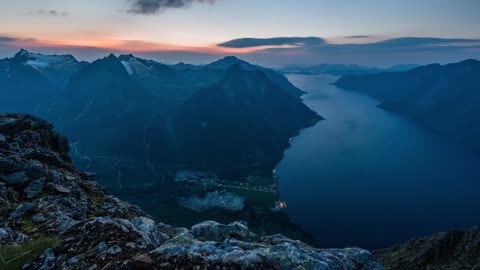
(367, 177)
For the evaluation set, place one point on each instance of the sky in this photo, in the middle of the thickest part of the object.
(320, 31)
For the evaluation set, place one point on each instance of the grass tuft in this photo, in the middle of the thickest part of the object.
(14, 257)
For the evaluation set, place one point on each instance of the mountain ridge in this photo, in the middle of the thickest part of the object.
(440, 97)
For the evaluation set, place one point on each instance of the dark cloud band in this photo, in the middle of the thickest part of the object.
(279, 41)
(7, 39)
(358, 36)
(313, 44)
(154, 6)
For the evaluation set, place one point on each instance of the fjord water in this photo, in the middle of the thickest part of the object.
(371, 178)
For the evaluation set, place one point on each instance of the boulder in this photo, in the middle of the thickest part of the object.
(143, 261)
(22, 210)
(34, 188)
(214, 231)
(149, 230)
(61, 189)
(3, 140)
(10, 164)
(18, 178)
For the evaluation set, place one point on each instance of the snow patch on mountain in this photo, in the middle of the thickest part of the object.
(40, 61)
(135, 65)
(127, 67)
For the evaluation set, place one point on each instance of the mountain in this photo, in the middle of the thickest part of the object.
(183, 65)
(166, 82)
(22, 88)
(102, 108)
(113, 99)
(443, 98)
(57, 68)
(30, 82)
(457, 249)
(244, 120)
(341, 70)
(138, 122)
(130, 110)
(53, 216)
(275, 77)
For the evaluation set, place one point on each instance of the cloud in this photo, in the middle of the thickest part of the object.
(278, 41)
(422, 42)
(154, 6)
(403, 50)
(11, 40)
(359, 36)
(395, 45)
(51, 12)
(7, 39)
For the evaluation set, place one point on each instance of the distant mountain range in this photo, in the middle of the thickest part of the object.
(29, 81)
(341, 70)
(444, 98)
(223, 116)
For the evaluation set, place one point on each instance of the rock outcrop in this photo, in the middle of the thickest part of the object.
(454, 250)
(43, 196)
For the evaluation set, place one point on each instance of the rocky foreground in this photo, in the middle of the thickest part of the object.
(55, 217)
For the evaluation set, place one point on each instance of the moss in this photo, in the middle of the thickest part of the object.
(286, 260)
(182, 239)
(13, 257)
(28, 227)
(97, 200)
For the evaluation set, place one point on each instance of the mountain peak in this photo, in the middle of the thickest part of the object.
(22, 55)
(42, 61)
(111, 56)
(231, 58)
(126, 57)
(470, 61)
(227, 62)
(23, 51)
